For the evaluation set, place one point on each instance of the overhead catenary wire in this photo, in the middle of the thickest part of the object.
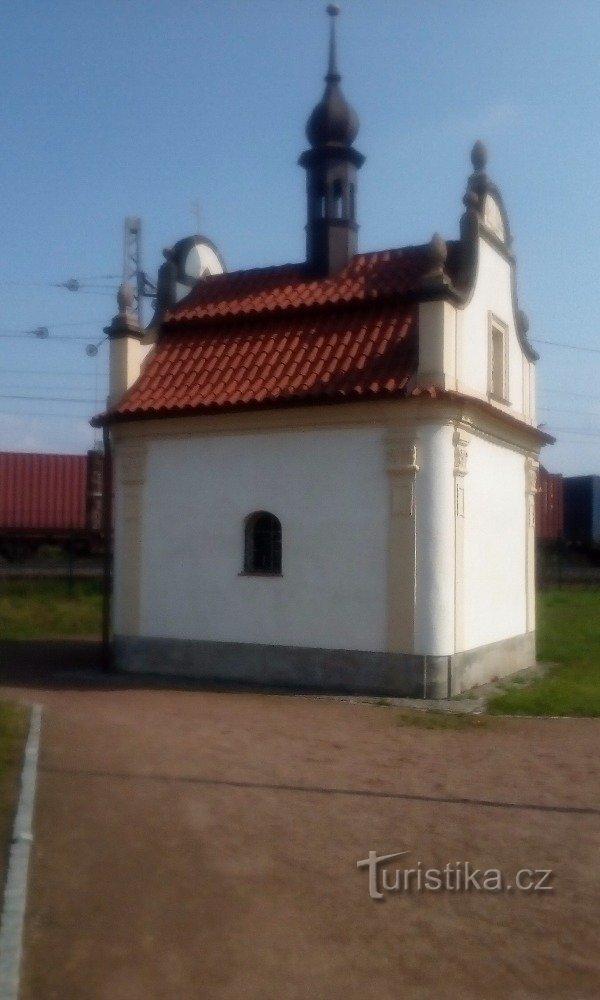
(576, 413)
(72, 284)
(48, 415)
(47, 371)
(48, 399)
(57, 325)
(570, 347)
(53, 338)
(572, 431)
(567, 392)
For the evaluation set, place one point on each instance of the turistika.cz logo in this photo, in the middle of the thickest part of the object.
(455, 876)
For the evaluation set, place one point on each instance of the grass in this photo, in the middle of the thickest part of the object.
(39, 609)
(13, 724)
(442, 720)
(568, 637)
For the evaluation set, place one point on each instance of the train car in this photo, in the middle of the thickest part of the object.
(549, 507)
(582, 511)
(50, 499)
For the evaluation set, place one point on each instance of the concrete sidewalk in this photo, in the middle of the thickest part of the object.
(203, 844)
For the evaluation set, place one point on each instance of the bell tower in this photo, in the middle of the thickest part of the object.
(331, 166)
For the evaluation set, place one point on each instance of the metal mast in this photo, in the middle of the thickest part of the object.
(132, 264)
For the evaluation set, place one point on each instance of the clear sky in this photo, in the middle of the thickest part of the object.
(142, 108)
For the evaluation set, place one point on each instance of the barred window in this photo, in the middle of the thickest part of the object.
(262, 543)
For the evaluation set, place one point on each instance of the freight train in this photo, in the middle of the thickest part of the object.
(568, 510)
(57, 499)
(50, 500)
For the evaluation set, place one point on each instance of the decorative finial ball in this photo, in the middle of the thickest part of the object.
(333, 9)
(479, 156)
(124, 298)
(438, 251)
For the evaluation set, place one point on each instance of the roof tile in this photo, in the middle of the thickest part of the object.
(351, 352)
(368, 277)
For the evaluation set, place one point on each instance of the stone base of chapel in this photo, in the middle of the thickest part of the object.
(336, 670)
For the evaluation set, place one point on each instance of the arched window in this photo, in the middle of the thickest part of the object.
(262, 543)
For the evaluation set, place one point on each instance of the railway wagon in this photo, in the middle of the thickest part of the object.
(582, 511)
(549, 506)
(50, 499)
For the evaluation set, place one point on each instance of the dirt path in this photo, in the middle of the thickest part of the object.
(203, 844)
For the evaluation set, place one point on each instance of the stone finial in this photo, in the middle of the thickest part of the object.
(125, 299)
(438, 252)
(437, 255)
(479, 156)
(125, 323)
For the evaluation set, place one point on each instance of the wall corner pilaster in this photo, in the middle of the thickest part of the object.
(401, 456)
(461, 439)
(131, 477)
(531, 488)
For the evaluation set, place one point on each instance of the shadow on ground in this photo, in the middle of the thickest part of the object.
(78, 664)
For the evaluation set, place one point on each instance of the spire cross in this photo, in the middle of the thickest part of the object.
(333, 75)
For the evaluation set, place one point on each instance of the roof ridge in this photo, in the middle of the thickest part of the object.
(374, 275)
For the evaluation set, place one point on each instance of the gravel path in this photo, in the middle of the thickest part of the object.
(203, 844)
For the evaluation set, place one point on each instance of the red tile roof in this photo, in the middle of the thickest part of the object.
(342, 355)
(275, 336)
(367, 278)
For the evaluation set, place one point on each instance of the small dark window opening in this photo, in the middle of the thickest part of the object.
(352, 210)
(318, 201)
(338, 200)
(262, 549)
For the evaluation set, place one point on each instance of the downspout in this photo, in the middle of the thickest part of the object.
(107, 661)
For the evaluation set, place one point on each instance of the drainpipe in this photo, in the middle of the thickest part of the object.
(107, 662)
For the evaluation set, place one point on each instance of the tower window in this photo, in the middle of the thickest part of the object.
(338, 200)
(319, 201)
(351, 200)
(262, 543)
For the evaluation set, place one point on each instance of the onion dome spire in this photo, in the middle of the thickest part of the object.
(333, 121)
(331, 166)
(333, 75)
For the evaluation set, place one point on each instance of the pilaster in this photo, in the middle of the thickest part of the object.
(531, 488)
(401, 465)
(460, 440)
(130, 484)
(437, 344)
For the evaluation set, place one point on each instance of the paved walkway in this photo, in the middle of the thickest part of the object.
(203, 844)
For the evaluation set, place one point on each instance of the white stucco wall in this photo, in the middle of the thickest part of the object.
(434, 490)
(493, 581)
(492, 293)
(328, 488)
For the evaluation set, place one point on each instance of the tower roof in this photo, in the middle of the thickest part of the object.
(333, 122)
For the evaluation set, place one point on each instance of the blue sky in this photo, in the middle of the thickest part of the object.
(114, 109)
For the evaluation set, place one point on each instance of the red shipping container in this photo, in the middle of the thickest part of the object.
(42, 493)
(549, 506)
